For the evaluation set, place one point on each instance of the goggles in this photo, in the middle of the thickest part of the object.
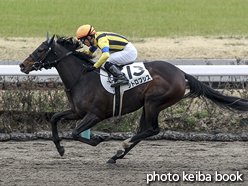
(82, 39)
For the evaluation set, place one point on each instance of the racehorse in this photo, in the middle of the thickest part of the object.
(91, 103)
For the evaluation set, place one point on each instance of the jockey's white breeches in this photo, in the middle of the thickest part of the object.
(127, 55)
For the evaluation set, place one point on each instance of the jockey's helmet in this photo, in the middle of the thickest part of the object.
(84, 31)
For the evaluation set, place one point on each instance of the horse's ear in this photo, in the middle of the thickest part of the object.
(51, 40)
(47, 36)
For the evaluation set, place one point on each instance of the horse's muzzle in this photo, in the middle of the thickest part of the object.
(23, 68)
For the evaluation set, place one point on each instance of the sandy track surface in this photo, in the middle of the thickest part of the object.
(34, 163)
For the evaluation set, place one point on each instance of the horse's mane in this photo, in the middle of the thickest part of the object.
(72, 44)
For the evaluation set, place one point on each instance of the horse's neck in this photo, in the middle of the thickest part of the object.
(68, 68)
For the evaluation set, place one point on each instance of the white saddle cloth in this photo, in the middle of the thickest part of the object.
(136, 73)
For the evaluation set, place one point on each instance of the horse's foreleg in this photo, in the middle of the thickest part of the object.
(69, 115)
(86, 123)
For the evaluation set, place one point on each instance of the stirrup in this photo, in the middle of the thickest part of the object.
(120, 82)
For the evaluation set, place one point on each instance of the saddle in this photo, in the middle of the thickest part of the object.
(135, 72)
(111, 78)
(119, 66)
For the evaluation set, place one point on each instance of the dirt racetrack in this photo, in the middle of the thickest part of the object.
(37, 162)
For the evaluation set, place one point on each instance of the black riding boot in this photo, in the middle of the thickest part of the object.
(118, 75)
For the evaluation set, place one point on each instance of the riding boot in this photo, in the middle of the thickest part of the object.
(118, 76)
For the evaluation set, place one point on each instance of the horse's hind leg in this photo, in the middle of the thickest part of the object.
(126, 145)
(121, 153)
(153, 105)
(152, 128)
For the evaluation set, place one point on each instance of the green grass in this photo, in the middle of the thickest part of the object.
(132, 18)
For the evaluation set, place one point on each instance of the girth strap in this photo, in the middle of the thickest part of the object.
(117, 102)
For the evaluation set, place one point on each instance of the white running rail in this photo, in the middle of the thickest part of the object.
(195, 70)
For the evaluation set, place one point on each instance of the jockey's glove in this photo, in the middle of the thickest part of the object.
(90, 68)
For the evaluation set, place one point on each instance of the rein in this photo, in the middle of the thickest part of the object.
(69, 89)
(51, 64)
(40, 63)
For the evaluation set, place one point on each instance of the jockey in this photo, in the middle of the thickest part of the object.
(115, 48)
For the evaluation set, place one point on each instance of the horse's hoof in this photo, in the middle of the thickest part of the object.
(61, 150)
(111, 161)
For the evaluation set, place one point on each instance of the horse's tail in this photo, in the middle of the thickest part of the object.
(198, 89)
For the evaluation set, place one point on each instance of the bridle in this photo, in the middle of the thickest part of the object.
(40, 63)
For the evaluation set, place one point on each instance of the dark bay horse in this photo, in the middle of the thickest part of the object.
(91, 103)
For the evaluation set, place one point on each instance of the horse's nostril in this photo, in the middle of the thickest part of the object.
(22, 66)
